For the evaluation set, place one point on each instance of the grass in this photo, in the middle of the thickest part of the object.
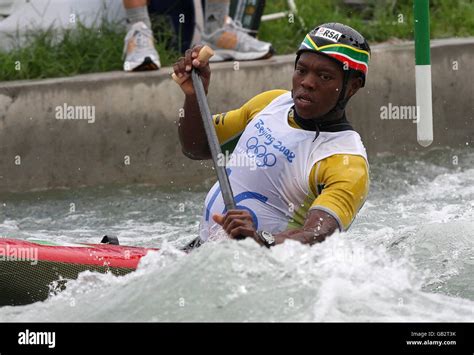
(97, 50)
(380, 21)
(80, 51)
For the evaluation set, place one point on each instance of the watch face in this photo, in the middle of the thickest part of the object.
(268, 237)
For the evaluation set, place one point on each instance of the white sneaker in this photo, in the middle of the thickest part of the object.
(139, 50)
(233, 42)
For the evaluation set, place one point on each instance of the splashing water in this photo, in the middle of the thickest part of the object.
(409, 256)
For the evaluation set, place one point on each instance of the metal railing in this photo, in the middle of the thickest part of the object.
(278, 15)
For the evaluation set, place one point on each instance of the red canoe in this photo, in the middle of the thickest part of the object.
(28, 267)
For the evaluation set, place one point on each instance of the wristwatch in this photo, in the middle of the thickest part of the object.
(267, 238)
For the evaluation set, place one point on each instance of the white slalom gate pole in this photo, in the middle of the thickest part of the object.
(424, 99)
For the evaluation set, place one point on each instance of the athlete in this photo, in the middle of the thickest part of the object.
(306, 173)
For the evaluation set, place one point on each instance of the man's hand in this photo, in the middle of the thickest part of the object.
(238, 224)
(318, 226)
(182, 68)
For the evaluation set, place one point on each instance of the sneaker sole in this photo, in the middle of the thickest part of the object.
(147, 64)
(223, 55)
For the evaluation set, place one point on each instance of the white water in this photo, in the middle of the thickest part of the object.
(408, 257)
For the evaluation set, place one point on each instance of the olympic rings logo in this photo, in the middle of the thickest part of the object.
(260, 151)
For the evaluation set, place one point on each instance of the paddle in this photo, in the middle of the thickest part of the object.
(226, 190)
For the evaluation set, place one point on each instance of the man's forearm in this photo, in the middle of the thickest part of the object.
(304, 236)
(318, 227)
(191, 131)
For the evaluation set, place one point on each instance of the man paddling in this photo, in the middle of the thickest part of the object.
(307, 172)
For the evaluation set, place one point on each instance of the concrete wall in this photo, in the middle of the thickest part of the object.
(136, 114)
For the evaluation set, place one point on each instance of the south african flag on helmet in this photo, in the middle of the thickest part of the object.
(341, 43)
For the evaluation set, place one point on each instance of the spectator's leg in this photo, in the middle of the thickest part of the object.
(229, 39)
(139, 50)
(136, 11)
(215, 12)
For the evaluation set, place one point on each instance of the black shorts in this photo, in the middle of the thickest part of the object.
(177, 11)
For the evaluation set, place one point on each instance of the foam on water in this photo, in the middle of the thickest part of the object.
(343, 280)
(408, 257)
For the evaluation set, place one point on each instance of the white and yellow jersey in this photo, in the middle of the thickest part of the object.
(278, 171)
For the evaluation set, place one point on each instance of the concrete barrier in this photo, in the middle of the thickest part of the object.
(133, 135)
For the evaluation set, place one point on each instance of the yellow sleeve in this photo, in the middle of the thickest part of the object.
(341, 184)
(230, 125)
